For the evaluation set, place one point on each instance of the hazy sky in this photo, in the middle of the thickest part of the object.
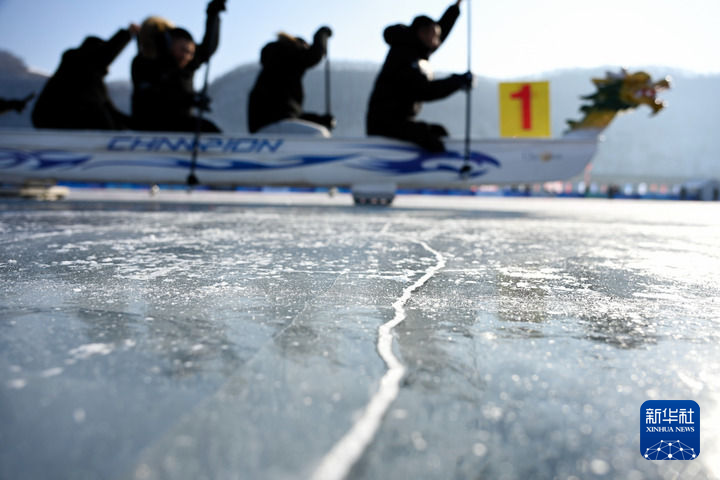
(510, 38)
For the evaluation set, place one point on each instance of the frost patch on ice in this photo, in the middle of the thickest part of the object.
(17, 384)
(696, 385)
(541, 274)
(599, 467)
(480, 450)
(142, 273)
(51, 372)
(79, 415)
(86, 351)
(672, 297)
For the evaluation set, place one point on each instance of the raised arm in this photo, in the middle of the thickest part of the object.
(318, 49)
(212, 33)
(447, 21)
(112, 47)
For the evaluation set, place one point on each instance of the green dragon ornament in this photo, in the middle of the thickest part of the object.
(619, 92)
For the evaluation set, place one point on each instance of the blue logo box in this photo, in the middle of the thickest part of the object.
(670, 430)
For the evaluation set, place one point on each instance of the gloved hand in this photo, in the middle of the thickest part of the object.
(466, 81)
(201, 102)
(215, 7)
(324, 31)
(328, 121)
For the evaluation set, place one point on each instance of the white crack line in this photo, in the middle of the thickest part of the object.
(337, 463)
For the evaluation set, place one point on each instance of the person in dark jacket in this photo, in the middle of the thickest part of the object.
(405, 82)
(76, 97)
(163, 95)
(278, 91)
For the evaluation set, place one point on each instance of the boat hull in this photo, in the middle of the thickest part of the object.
(226, 160)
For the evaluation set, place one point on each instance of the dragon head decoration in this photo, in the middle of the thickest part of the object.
(619, 92)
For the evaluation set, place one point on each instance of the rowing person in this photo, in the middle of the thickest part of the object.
(406, 81)
(278, 92)
(76, 97)
(163, 70)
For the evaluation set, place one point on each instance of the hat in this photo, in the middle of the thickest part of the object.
(422, 21)
(151, 33)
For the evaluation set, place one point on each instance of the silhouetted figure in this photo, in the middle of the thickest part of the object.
(278, 92)
(17, 105)
(76, 97)
(162, 73)
(405, 81)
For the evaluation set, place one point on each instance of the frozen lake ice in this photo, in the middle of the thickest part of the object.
(235, 336)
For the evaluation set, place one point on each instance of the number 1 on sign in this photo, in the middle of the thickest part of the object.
(524, 95)
(525, 109)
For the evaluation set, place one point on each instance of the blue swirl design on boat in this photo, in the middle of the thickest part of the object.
(425, 161)
(224, 164)
(42, 159)
(421, 162)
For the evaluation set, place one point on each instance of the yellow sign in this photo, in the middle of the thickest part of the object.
(525, 109)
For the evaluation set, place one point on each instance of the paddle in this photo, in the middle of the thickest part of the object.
(192, 180)
(467, 168)
(214, 7)
(328, 109)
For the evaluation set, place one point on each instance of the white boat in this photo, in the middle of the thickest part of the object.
(143, 158)
(373, 167)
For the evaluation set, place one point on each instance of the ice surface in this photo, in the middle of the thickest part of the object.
(213, 336)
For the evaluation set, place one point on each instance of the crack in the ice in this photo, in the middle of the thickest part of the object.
(339, 461)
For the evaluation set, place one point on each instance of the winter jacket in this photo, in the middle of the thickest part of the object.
(278, 91)
(163, 93)
(404, 82)
(76, 96)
